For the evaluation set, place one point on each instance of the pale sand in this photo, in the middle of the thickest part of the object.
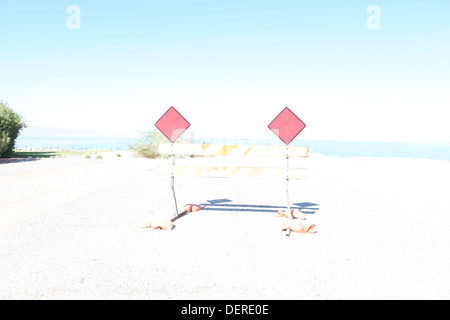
(70, 229)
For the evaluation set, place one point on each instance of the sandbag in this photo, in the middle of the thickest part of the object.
(192, 207)
(297, 214)
(297, 226)
(160, 224)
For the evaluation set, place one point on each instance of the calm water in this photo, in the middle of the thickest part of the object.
(76, 143)
(325, 147)
(439, 151)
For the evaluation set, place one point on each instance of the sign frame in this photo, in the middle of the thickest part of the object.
(286, 140)
(163, 130)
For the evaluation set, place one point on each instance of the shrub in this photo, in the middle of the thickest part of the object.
(10, 125)
(148, 146)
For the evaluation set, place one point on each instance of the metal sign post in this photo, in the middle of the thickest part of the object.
(288, 230)
(172, 124)
(287, 126)
(172, 184)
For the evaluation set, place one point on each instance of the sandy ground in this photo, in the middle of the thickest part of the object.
(70, 229)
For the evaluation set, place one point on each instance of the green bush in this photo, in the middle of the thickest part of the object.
(10, 125)
(148, 145)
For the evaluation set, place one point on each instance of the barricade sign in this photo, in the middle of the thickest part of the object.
(286, 126)
(172, 124)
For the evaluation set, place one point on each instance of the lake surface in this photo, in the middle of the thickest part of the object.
(439, 151)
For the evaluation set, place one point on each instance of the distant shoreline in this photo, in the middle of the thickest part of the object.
(438, 151)
(74, 143)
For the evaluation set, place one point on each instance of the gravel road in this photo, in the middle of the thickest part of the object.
(70, 228)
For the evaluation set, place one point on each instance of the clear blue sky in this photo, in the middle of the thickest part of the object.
(230, 66)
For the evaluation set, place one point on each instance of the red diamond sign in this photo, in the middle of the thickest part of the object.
(287, 125)
(172, 124)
